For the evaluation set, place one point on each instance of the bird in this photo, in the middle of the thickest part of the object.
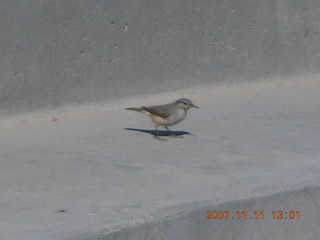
(167, 114)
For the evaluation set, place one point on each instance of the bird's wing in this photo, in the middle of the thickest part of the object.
(161, 110)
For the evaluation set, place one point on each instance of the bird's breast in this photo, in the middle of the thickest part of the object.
(177, 117)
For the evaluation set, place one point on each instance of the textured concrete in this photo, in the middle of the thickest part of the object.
(75, 51)
(77, 174)
(74, 172)
(191, 223)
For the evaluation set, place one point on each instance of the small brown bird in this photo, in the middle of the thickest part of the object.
(167, 114)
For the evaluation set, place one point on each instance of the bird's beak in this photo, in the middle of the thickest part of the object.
(195, 106)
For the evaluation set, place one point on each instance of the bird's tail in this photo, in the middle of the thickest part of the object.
(134, 109)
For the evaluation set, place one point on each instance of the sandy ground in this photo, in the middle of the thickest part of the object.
(72, 172)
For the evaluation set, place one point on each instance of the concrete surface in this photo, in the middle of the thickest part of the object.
(75, 173)
(70, 170)
(80, 51)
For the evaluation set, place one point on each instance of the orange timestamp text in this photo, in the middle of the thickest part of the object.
(256, 214)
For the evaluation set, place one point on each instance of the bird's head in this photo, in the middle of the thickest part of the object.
(185, 103)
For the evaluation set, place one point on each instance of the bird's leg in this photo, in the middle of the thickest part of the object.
(172, 134)
(157, 136)
(168, 129)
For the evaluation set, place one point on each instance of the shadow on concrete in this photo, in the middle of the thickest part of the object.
(161, 133)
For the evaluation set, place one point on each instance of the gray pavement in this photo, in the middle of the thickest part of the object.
(69, 169)
(76, 173)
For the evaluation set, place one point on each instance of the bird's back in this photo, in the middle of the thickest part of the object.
(163, 111)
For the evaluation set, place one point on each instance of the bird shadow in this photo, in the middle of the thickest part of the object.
(160, 133)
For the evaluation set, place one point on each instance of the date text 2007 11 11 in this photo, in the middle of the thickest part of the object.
(258, 214)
